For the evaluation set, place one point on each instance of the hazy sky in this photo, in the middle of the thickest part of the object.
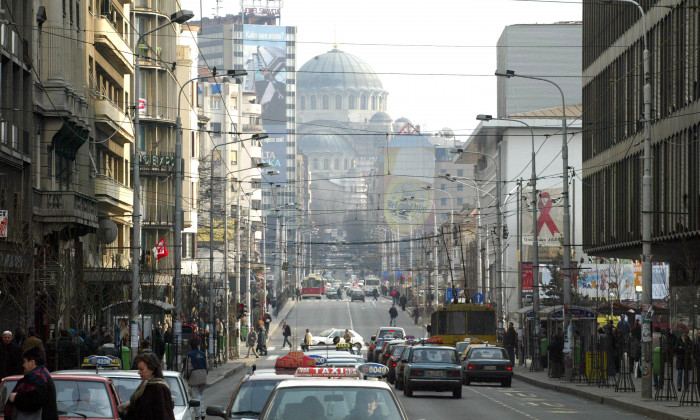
(435, 58)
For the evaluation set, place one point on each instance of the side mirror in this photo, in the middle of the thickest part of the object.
(216, 410)
(193, 403)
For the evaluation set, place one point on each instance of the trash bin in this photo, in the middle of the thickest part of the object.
(126, 358)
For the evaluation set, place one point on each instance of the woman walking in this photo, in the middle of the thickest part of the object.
(152, 400)
(252, 342)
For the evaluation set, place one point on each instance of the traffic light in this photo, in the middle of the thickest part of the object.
(402, 278)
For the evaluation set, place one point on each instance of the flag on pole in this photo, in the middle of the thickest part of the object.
(160, 250)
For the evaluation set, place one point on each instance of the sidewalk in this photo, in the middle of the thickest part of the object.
(236, 365)
(629, 401)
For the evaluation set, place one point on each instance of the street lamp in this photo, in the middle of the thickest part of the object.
(499, 227)
(211, 219)
(452, 226)
(435, 234)
(178, 205)
(646, 203)
(535, 243)
(180, 17)
(567, 228)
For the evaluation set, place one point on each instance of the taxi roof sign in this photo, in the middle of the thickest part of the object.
(293, 360)
(342, 345)
(101, 362)
(327, 372)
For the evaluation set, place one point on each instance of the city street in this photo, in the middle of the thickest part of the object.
(520, 401)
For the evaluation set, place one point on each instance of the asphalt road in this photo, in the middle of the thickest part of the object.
(490, 401)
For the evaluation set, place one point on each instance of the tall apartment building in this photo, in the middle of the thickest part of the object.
(552, 51)
(18, 151)
(612, 143)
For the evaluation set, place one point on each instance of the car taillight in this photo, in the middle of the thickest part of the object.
(417, 372)
(393, 365)
(371, 347)
(470, 367)
(510, 367)
(453, 373)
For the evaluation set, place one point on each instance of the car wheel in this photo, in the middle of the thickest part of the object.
(399, 384)
(457, 392)
(390, 379)
(321, 344)
(506, 383)
(467, 381)
(408, 391)
(358, 346)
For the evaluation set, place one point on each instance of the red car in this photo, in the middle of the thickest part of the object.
(77, 396)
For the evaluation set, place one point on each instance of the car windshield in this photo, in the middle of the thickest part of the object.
(87, 398)
(5, 391)
(461, 346)
(398, 349)
(325, 403)
(494, 353)
(390, 334)
(251, 398)
(127, 386)
(434, 355)
(326, 333)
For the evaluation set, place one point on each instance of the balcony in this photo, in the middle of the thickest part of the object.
(251, 109)
(251, 128)
(113, 194)
(66, 207)
(111, 119)
(112, 46)
(158, 215)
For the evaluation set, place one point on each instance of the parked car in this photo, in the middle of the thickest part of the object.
(383, 334)
(487, 364)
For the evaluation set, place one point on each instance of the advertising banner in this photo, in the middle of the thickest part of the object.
(3, 223)
(618, 280)
(550, 222)
(274, 152)
(527, 279)
(265, 58)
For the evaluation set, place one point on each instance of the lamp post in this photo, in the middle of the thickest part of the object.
(435, 249)
(568, 337)
(535, 243)
(178, 207)
(181, 16)
(499, 228)
(646, 205)
(211, 221)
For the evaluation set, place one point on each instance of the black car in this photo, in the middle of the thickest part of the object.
(487, 364)
(357, 294)
(431, 368)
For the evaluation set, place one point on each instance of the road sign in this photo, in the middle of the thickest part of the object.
(409, 279)
(478, 298)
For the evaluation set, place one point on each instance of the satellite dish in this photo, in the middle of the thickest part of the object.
(107, 231)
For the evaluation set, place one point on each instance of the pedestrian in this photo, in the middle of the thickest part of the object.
(375, 293)
(347, 336)
(145, 348)
(66, 351)
(683, 348)
(158, 343)
(307, 340)
(656, 342)
(93, 339)
(555, 350)
(262, 341)
(108, 348)
(33, 340)
(19, 339)
(393, 297)
(286, 333)
(196, 374)
(252, 342)
(416, 314)
(268, 320)
(10, 356)
(393, 313)
(403, 301)
(509, 342)
(339, 293)
(455, 295)
(34, 396)
(152, 399)
(298, 291)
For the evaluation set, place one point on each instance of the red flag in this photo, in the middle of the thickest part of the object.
(161, 250)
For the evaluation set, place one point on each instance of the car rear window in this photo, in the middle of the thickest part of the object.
(127, 386)
(434, 355)
(390, 334)
(325, 403)
(86, 398)
(398, 349)
(489, 354)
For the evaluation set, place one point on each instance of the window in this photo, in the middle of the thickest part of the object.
(338, 102)
(454, 322)
(345, 164)
(234, 157)
(363, 102)
(302, 102)
(443, 201)
(374, 103)
(336, 164)
(481, 323)
(215, 129)
(443, 171)
(326, 102)
(214, 103)
(460, 172)
(351, 102)
(460, 187)
(315, 164)
(443, 187)
(326, 164)
(460, 201)
(312, 102)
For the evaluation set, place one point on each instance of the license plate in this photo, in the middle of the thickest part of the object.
(489, 367)
(434, 373)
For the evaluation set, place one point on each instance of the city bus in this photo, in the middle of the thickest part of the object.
(453, 323)
(313, 286)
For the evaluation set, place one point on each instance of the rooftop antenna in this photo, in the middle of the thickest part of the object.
(335, 37)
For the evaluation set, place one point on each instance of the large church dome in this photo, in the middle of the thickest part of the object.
(337, 70)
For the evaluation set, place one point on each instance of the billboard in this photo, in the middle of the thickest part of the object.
(550, 222)
(618, 280)
(265, 60)
(274, 152)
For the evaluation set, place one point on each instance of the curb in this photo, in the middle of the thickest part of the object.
(627, 406)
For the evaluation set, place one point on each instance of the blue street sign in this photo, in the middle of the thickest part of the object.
(478, 298)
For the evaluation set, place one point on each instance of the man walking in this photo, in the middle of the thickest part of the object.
(307, 340)
(393, 313)
(10, 356)
(509, 342)
(251, 342)
(403, 301)
(196, 374)
(286, 333)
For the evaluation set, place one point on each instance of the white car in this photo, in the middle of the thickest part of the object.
(326, 337)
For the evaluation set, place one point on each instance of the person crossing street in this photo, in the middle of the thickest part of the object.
(286, 333)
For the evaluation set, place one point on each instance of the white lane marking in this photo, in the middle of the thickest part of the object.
(349, 315)
(271, 357)
(271, 348)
